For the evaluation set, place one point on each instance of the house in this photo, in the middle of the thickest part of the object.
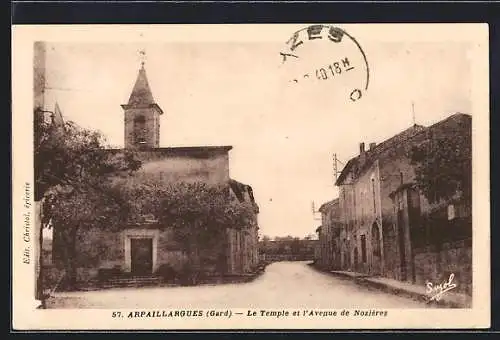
(328, 234)
(144, 248)
(364, 187)
(243, 244)
(388, 226)
(435, 238)
(317, 249)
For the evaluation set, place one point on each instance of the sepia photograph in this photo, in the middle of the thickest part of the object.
(253, 173)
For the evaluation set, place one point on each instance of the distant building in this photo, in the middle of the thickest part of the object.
(287, 249)
(328, 234)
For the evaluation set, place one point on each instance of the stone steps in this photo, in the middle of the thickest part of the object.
(124, 282)
(134, 281)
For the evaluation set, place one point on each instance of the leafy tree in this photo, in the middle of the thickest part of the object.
(76, 210)
(444, 164)
(74, 181)
(67, 154)
(266, 238)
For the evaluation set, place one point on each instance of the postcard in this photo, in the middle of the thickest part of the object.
(257, 176)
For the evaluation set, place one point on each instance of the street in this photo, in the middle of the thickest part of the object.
(283, 285)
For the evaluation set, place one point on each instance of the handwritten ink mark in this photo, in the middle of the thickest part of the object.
(439, 290)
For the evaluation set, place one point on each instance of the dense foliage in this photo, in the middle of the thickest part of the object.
(73, 180)
(198, 215)
(83, 185)
(444, 166)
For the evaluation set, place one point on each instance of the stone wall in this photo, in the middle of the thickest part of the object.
(151, 126)
(211, 169)
(395, 170)
(101, 249)
(436, 265)
(94, 248)
(233, 251)
(170, 252)
(392, 262)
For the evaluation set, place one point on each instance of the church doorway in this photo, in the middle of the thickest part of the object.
(141, 256)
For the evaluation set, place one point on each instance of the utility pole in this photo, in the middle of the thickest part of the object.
(336, 171)
(314, 212)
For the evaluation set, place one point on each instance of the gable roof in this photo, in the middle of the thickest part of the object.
(328, 204)
(361, 162)
(454, 122)
(239, 189)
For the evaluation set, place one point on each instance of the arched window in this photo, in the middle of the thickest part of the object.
(140, 129)
(363, 248)
(373, 194)
(375, 239)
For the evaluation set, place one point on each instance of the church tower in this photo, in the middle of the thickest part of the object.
(142, 116)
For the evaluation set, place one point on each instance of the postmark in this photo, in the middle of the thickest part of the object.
(327, 55)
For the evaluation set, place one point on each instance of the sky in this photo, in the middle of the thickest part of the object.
(283, 133)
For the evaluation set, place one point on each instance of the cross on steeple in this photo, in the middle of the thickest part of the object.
(142, 114)
(413, 113)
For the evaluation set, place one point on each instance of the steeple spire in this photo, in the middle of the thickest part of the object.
(142, 114)
(141, 93)
(57, 118)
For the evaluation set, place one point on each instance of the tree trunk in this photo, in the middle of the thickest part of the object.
(40, 283)
(69, 258)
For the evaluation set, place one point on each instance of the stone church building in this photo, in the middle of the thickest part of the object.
(142, 250)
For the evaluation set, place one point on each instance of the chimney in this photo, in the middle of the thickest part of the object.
(361, 148)
(372, 145)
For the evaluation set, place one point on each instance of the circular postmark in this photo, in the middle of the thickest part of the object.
(326, 55)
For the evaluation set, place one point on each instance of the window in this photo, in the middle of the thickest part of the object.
(140, 129)
(363, 248)
(373, 193)
(354, 204)
(400, 203)
(361, 198)
(376, 240)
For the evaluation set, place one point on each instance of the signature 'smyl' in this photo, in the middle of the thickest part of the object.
(437, 291)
